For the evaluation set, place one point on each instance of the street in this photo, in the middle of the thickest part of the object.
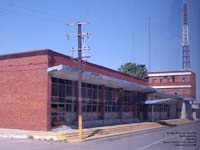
(183, 137)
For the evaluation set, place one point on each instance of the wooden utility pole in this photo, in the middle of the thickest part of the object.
(80, 118)
(80, 36)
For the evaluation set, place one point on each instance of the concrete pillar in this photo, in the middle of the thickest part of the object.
(194, 115)
(186, 111)
(183, 111)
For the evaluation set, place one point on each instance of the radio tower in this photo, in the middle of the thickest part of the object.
(185, 42)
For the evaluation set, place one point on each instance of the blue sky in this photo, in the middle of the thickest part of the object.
(119, 30)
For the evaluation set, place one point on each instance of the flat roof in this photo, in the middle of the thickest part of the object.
(170, 73)
(173, 71)
(27, 53)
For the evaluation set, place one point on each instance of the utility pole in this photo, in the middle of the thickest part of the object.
(80, 36)
(80, 118)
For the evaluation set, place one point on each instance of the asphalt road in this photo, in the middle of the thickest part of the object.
(184, 137)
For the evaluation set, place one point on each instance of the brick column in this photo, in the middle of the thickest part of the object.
(159, 105)
(102, 102)
(176, 110)
(144, 107)
(49, 86)
(135, 105)
(120, 102)
(76, 95)
(138, 105)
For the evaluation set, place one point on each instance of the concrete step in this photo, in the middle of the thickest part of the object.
(125, 128)
(106, 131)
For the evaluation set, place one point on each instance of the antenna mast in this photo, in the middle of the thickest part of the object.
(185, 40)
(149, 29)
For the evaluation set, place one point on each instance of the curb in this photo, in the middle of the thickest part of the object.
(14, 136)
(45, 136)
(119, 134)
(126, 132)
(64, 138)
(78, 140)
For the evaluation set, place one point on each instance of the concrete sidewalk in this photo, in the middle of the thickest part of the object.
(64, 133)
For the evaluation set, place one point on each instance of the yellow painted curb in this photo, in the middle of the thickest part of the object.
(74, 140)
(59, 137)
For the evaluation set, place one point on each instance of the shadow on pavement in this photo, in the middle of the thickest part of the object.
(94, 133)
(163, 123)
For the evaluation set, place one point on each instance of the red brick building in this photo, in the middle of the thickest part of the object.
(181, 83)
(39, 90)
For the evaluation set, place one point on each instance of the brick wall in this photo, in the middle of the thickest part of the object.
(193, 90)
(24, 93)
(57, 59)
(176, 80)
(25, 87)
(186, 92)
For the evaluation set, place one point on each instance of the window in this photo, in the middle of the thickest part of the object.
(110, 100)
(54, 89)
(54, 80)
(61, 90)
(128, 101)
(153, 80)
(69, 90)
(90, 94)
(63, 98)
(173, 79)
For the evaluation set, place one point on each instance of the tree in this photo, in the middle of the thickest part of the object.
(134, 69)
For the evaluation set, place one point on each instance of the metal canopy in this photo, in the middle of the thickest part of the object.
(161, 101)
(168, 100)
(196, 102)
(71, 73)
